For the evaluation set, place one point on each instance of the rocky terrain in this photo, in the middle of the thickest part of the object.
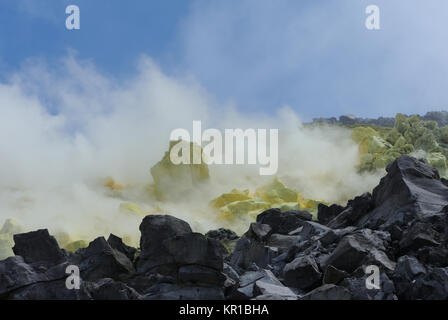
(401, 228)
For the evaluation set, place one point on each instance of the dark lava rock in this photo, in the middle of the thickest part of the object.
(407, 271)
(411, 188)
(248, 251)
(356, 285)
(283, 222)
(194, 248)
(333, 275)
(362, 247)
(355, 210)
(118, 244)
(154, 230)
(99, 260)
(222, 234)
(326, 213)
(303, 273)
(38, 246)
(259, 232)
(15, 273)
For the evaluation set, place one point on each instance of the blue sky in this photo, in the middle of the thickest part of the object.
(315, 56)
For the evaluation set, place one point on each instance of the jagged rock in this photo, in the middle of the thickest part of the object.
(99, 260)
(355, 210)
(433, 286)
(118, 244)
(363, 247)
(283, 241)
(334, 235)
(303, 273)
(15, 274)
(358, 288)
(222, 234)
(283, 222)
(411, 186)
(194, 248)
(417, 236)
(328, 292)
(408, 269)
(259, 232)
(249, 251)
(326, 213)
(273, 291)
(38, 246)
(154, 230)
(333, 275)
(310, 229)
(248, 290)
(226, 237)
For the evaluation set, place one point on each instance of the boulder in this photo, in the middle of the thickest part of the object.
(326, 213)
(248, 251)
(303, 273)
(154, 230)
(194, 248)
(99, 260)
(259, 232)
(117, 243)
(411, 186)
(283, 222)
(38, 246)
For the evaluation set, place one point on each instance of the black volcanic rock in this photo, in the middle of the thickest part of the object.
(303, 273)
(402, 228)
(154, 230)
(194, 248)
(38, 246)
(326, 213)
(283, 222)
(328, 292)
(99, 260)
(118, 244)
(411, 189)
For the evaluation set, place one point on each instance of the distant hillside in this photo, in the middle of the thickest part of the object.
(441, 117)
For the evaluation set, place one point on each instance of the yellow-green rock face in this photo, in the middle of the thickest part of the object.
(380, 146)
(227, 198)
(276, 192)
(171, 180)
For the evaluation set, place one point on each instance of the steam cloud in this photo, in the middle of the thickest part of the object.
(64, 129)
